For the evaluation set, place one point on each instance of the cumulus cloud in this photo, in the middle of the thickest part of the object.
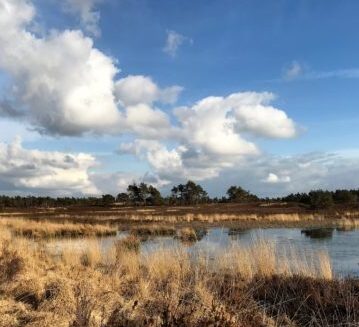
(209, 126)
(63, 85)
(149, 122)
(210, 137)
(173, 164)
(44, 171)
(62, 80)
(173, 42)
(135, 89)
(215, 124)
(86, 10)
(254, 114)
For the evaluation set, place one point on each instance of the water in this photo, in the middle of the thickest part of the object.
(342, 246)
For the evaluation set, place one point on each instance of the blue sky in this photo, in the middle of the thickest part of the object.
(173, 54)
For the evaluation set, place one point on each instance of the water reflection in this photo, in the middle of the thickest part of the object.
(235, 233)
(343, 248)
(318, 233)
(346, 228)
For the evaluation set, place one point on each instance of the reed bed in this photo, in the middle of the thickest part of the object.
(47, 229)
(245, 287)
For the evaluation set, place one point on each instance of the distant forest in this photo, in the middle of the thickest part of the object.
(190, 193)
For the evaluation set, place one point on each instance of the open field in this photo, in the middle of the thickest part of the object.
(255, 214)
(246, 286)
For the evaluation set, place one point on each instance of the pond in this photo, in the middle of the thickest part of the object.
(341, 245)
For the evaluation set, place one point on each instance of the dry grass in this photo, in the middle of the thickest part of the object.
(348, 224)
(247, 287)
(262, 258)
(46, 229)
(187, 234)
(153, 230)
(129, 243)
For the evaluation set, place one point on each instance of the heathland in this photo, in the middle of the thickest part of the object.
(121, 285)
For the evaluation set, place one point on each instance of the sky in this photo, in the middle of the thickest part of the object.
(97, 94)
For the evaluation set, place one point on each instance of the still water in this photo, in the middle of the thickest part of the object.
(342, 246)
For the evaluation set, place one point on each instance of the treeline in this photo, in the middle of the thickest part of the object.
(321, 199)
(190, 193)
(141, 194)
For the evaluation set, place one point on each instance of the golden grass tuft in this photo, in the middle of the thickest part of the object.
(128, 243)
(153, 230)
(187, 234)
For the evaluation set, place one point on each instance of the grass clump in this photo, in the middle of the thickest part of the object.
(190, 235)
(128, 243)
(153, 230)
(187, 234)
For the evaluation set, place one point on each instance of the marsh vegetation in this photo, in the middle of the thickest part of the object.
(47, 229)
(245, 286)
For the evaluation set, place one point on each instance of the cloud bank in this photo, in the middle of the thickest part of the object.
(60, 84)
(46, 172)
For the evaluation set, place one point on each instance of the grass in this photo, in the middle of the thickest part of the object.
(243, 213)
(246, 286)
(46, 229)
(128, 243)
(348, 224)
(153, 230)
(187, 234)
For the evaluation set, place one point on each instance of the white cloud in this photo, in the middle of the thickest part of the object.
(173, 42)
(37, 171)
(215, 123)
(63, 81)
(209, 126)
(293, 71)
(63, 85)
(209, 136)
(172, 164)
(89, 17)
(135, 89)
(274, 179)
(148, 122)
(254, 114)
(297, 71)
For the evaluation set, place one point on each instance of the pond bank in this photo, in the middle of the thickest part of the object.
(244, 288)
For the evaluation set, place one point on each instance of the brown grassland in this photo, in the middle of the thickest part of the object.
(224, 213)
(92, 287)
(45, 229)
